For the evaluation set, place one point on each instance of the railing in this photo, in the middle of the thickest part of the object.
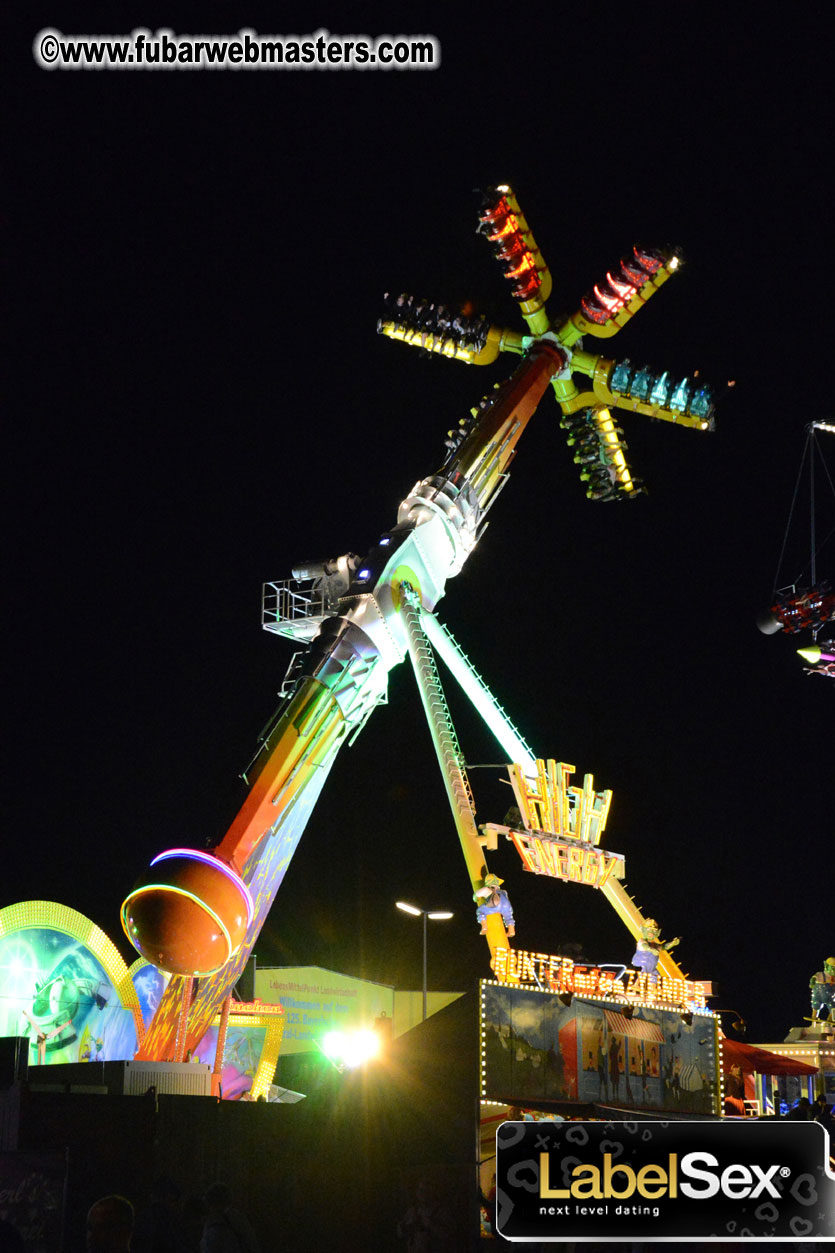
(289, 604)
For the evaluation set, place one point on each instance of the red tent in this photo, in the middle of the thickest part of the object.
(749, 1058)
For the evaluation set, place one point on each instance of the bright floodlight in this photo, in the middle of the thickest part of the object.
(439, 913)
(409, 909)
(351, 1048)
(333, 1045)
(361, 1046)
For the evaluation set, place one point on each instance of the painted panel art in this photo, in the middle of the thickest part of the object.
(150, 984)
(64, 987)
(537, 1049)
(241, 1057)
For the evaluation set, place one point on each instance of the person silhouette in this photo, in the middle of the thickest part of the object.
(109, 1225)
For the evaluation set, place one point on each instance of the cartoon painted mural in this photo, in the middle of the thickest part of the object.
(241, 1057)
(64, 987)
(150, 983)
(537, 1049)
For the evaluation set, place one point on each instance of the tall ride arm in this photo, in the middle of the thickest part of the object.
(199, 913)
(525, 764)
(632, 918)
(449, 758)
(478, 692)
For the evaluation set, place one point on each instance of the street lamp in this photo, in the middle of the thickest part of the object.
(437, 914)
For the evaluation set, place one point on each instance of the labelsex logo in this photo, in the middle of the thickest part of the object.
(589, 1183)
(636, 1180)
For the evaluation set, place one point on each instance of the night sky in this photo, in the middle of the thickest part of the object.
(199, 400)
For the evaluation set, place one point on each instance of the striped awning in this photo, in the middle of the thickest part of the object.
(637, 1028)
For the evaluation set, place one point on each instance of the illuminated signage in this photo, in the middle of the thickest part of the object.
(561, 975)
(317, 1001)
(667, 1182)
(562, 825)
(547, 803)
(571, 860)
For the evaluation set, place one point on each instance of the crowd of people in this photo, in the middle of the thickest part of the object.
(169, 1223)
(805, 1110)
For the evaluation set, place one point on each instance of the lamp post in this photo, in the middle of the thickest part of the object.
(739, 1023)
(436, 914)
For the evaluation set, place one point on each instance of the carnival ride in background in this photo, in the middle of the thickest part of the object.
(65, 988)
(807, 604)
(197, 914)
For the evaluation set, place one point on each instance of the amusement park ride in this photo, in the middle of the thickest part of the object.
(197, 914)
(795, 608)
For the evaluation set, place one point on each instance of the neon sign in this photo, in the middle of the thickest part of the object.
(547, 803)
(560, 975)
(571, 860)
(562, 825)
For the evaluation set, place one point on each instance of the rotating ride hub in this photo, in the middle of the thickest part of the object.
(598, 443)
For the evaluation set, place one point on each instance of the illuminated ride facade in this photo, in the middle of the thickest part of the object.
(198, 913)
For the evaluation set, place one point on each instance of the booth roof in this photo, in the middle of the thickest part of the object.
(750, 1058)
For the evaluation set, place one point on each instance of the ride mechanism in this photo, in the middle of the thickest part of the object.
(197, 914)
(808, 603)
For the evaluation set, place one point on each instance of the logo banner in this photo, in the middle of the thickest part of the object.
(653, 1180)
